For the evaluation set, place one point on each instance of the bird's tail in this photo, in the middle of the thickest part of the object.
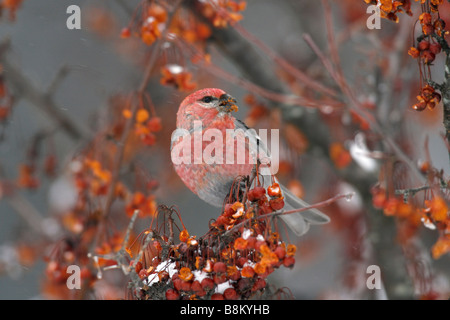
(299, 222)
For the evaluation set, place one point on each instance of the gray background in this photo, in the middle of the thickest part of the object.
(41, 44)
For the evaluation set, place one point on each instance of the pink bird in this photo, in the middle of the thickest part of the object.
(210, 179)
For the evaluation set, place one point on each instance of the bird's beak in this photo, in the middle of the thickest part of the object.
(227, 103)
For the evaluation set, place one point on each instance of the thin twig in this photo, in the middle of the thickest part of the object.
(284, 98)
(130, 228)
(286, 212)
(355, 106)
(28, 212)
(305, 80)
(43, 100)
(411, 192)
(129, 123)
(445, 90)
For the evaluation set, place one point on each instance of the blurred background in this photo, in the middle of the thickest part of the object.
(84, 73)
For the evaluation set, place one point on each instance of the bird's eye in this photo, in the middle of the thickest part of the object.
(207, 99)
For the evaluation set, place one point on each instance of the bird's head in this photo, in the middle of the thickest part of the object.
(206, 104)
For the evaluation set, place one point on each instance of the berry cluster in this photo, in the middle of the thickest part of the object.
(428, 98)
(430, 43)
(433, 215)
(148, 25)
(232, 261)
(426, 51)
(389, 9)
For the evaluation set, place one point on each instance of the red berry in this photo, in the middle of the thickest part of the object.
(235, 276)
(435, 48)
(243, 284)
(222, 220)
(207, 284)
(256, 194)
(251, 241)
(277, 203)
(172, 294)
(289, 262)
(427, 56)
(201, 293)
(437, 96)
(143, 274)
(220, 278)
(230, 294)
(220, 267)
(420, 106)
(259, 284)
(163, 276)
(217, 296)
(177, 283)
(148, 139)
(196, 286)
(280, 252)
(154, 124)
(259, 243)
(241, 261)
(138, 267)
(185, 285)
(85, 273)
(423, 45)
(265, 208)
(125, 33)
(427, 29)
(229, 211)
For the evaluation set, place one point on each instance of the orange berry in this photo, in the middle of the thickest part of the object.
(414, 52)
(425, 18)
(184, 235)
(274, 190)
(247, 272)
(142, 115)
(125, 33)
(185, 274)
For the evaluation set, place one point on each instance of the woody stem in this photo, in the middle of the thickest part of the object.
(445, 90)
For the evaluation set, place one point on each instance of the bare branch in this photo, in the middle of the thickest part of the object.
(42, 100)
